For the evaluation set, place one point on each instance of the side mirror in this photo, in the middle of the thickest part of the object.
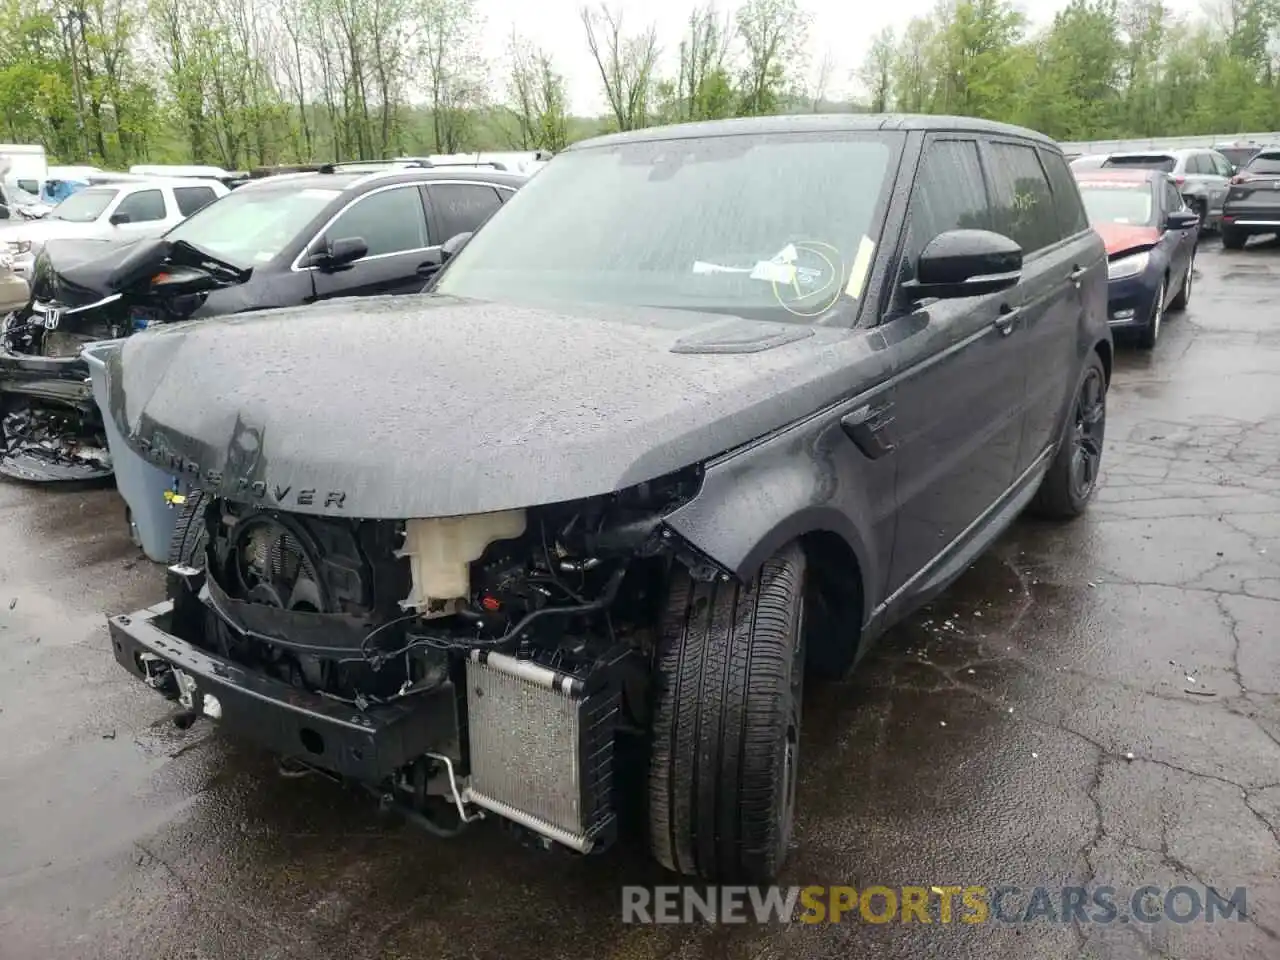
(966, 263)
(1181, 220)
(453, 245)
(119, 218)
(340, 253)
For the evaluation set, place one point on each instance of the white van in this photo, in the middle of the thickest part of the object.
(25, 165)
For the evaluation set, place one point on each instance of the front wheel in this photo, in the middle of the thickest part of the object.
(1150, 333)
(728, 685)
(1073, 475)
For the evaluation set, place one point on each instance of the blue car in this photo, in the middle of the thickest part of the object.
(1150, 234)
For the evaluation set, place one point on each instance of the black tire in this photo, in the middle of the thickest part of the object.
(187, 545)
(1150, 333)
(728, 685)
(1233, 238)
(1201, 208)
(1061, 496)
(1179, 302)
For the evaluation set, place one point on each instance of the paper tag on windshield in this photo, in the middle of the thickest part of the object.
(774, 272)
(861, 264)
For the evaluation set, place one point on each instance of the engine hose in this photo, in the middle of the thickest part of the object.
(417, 818)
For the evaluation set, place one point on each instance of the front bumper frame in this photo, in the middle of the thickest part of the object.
(368, 745)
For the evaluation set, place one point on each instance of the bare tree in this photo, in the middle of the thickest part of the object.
(775, 33)
(876, 73)
(536, 98)
(703, 90)
(822, 79)
(625, 62)
(457, 77)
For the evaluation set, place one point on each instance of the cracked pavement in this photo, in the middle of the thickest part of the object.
(1092, 703)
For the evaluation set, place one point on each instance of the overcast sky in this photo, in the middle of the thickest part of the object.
(845, 27)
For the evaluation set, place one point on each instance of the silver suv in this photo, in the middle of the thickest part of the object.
(1202, 176)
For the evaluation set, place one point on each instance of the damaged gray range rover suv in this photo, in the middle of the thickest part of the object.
(699, 408)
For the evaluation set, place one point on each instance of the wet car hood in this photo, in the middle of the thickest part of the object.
(47, 228)
(1119, 237)
(423, 406)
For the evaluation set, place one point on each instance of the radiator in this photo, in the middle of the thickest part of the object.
(541, 748)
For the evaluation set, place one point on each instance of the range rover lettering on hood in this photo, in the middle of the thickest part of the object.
(431, 406)
(243, 488)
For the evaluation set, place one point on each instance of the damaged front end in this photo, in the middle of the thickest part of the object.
(454, 666)
(50, 427)
(83, 292)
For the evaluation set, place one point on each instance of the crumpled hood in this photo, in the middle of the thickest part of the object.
(1120, 237)
(423, 406)
(74, 273)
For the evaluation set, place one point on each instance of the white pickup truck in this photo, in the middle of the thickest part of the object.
(125, 210)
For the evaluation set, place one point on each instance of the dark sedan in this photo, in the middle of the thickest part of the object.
(279, 242)
(1150, 235)
(1253, 202)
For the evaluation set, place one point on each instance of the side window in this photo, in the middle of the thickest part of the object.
(191, 199)
(1023, 205)
(390, 221)
(145, 206)
(460, 207)
(949, 194)
(1172, 198)
(1066, 195)
(1220, 165)
(1198, 163)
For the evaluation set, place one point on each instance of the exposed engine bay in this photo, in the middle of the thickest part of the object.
(531, 629)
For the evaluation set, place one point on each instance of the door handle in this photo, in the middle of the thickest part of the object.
(1076, 275)
(427, 269)
(1008, 317)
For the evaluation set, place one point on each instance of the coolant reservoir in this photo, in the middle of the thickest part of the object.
(440, 553)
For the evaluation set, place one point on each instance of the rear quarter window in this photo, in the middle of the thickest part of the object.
(1066, 195)
(191, 199)
(1022, 203)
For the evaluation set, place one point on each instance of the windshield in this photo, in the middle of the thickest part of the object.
(1118, 203)
(85, 206)
(253, 225)
(778, 226)
(1265, 163)
(1143, 162)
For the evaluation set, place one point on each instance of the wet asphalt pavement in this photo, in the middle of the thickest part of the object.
(1091, 702)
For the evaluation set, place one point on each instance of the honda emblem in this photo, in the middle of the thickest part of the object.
(51, 318)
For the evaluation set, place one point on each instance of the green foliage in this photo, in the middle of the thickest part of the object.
(250, 82)
(1103, 69)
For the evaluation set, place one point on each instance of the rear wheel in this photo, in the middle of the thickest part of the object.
(1184, 292)
(1151, 332)
(1233, 238)
(1201, 207)
(729, 683)
(1073, 475)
